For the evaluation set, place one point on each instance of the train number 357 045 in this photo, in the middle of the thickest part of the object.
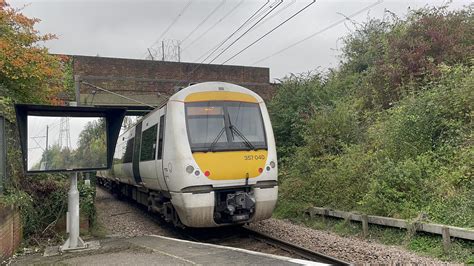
(254, 157)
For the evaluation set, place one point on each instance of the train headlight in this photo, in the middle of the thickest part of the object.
(197, 173)
(189, 169)
(272, 164)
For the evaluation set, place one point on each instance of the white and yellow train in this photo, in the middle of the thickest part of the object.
(207, 158)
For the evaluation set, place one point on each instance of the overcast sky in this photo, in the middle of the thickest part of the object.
(127, 28)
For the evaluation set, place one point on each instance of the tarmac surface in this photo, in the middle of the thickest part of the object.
(157, 250)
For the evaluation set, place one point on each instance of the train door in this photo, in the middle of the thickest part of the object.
(160, 148)
(136, 154)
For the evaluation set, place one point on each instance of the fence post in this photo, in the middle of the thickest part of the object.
(3, 154)
(446, 239)
(325, 213)
(365, 225)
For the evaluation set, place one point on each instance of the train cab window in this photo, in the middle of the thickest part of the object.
(247, 121)
(148, 148)
(127, 157)
(224, 125)
(160, 137)
(206, 124)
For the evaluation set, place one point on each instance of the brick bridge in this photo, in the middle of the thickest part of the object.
(151, 81)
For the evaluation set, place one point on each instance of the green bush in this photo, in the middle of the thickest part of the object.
(390, 131)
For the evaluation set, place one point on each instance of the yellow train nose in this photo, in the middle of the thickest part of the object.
(231, 165)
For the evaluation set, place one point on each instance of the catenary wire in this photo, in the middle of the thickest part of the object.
(275, 14)
(319, 32)
(214, 25)
(172, 22)
(253, 19)
(263, 36)
(117, 94)
(204, 21)
(243, 34)
(215, 48)
(222, 43)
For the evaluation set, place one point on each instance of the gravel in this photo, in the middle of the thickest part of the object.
(126, 219)
(349, 249)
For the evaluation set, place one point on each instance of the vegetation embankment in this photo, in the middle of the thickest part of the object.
(29, 74)
(390, 131)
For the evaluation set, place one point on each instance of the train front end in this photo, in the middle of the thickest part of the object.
(223, 168)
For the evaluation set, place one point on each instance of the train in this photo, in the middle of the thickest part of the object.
(206, 158)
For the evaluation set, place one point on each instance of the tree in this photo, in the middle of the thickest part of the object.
(28, 72)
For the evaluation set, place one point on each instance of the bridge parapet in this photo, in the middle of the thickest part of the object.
(152, 81)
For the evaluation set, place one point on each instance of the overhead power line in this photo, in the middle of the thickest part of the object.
(172, 23)
(263, 36)
(320, 31)
(203, 21)
(243, 34)
(117, 94)
(214, 25)
(275, 14)
(215, 48)
(222, 43)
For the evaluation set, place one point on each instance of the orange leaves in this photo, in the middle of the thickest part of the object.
(27, 70)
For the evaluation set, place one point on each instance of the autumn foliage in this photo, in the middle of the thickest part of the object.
(28, 73)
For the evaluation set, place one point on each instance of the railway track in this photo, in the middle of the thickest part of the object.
(294, 249)
(235, 235)
(240, 237)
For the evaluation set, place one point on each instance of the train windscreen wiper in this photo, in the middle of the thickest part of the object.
(214, 142)
(246, 141)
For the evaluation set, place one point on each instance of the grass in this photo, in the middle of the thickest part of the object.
(98, 230)
(461, 251)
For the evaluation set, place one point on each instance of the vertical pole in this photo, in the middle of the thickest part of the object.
(151, 56)
(46, 149)
(446, 239)
(87, 180)
(163, 50)
(77, 88)
(179, 53)
(325, 213)
(73, 207)
(3, 154)
(365, 225)
(74, 241)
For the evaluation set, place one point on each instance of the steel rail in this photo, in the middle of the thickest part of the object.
(244, 232)
(292, 248)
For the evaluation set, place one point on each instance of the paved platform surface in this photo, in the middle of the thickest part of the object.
(159, 250)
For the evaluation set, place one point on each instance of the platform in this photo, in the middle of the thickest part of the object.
(159, 250)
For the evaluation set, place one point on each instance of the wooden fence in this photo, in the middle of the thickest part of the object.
(418, 226)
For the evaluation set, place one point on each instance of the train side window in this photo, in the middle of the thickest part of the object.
(160, 137)
(148, 149)
(127, 157)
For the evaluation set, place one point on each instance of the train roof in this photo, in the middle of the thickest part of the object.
(212, 86)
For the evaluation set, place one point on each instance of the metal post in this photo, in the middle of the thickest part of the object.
(163, 50)
(46, 166)
(77, 88)
(74, 241)
(3, 154)
(151, 55)
(179, 53)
